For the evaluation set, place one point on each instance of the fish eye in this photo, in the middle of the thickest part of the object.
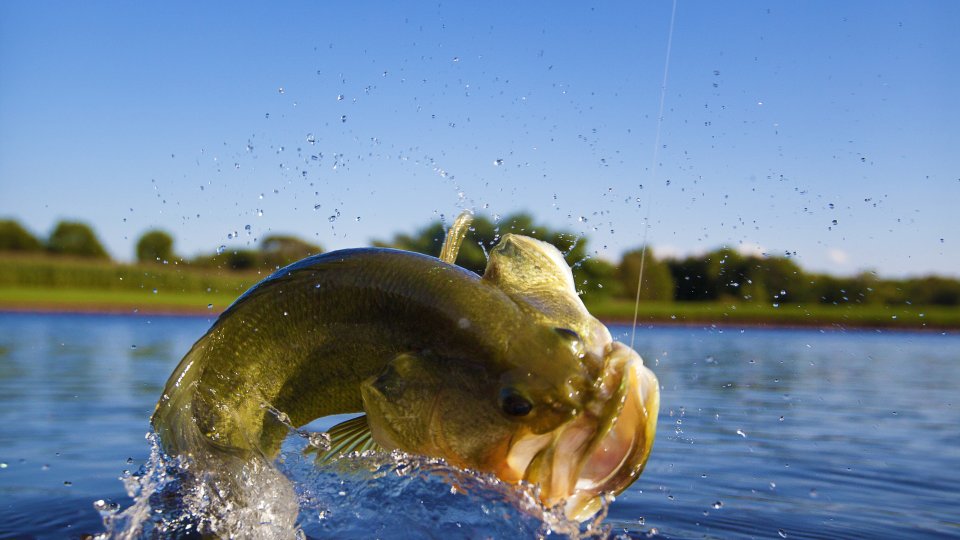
(513, 403)
(567, 333)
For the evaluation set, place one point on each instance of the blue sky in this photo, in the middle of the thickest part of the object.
(347, 122)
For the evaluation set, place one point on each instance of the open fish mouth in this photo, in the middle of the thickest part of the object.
(604, 449)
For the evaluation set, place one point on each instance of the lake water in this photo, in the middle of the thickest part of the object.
(763, 434)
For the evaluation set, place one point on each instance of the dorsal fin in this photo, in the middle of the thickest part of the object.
(455, 235)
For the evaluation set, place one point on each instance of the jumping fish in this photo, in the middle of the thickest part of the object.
(507, 373)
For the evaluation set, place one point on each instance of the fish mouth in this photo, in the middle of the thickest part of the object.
(604, 448)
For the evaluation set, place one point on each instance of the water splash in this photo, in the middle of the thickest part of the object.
(373, 494)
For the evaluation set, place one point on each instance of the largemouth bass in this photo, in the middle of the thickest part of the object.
(505, 373)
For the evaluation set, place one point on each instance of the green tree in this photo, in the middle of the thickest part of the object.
(859, 289)
(657, 283)
(155, 246)
(721, 273)
(13, 237)
(77, 239)
(781, 280)
(278, 250)
(240, 259)
(597, 278)
(691, 278)
(933, 291)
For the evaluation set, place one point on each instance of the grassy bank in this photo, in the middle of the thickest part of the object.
(58, 284)
(62, 284)
(112, 301)
(818, 315)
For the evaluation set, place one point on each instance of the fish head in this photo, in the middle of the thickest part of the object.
(604, 445)
(557, 403)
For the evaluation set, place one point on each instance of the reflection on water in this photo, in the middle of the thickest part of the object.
(796, 433)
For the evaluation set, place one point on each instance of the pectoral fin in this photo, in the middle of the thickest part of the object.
(348, 437)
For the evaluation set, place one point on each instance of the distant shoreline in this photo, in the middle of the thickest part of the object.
(212, 314)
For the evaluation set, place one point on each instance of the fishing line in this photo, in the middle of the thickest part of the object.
(653, 169)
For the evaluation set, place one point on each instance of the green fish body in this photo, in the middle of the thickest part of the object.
(505, 373)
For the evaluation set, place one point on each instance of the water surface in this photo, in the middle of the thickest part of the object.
(763, 434)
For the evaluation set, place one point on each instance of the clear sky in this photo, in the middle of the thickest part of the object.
(826, 129)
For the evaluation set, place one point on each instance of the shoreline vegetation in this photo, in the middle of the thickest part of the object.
(72, 273)
(675, 314)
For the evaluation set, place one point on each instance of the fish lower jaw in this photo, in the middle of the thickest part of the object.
(618, 455)
(593, 455)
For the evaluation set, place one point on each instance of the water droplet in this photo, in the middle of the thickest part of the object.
(717, 505)
(782, 533)
(221, 249)
(133, 346)
(343, 119)
(498, 162)
(456, 58)
(741, 433)
(154, 291)
(813, 493)
(105, 507)
(339, 97)
(68, 483)
(280, 90)
(834, 222)
(311, 139)
(3, 465)
(209, 306)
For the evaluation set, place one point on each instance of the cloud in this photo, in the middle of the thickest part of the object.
(838, 256)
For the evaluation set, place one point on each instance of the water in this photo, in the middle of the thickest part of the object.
(763, 434)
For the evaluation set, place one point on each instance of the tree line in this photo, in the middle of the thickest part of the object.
(719, 275)
(77, 239)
